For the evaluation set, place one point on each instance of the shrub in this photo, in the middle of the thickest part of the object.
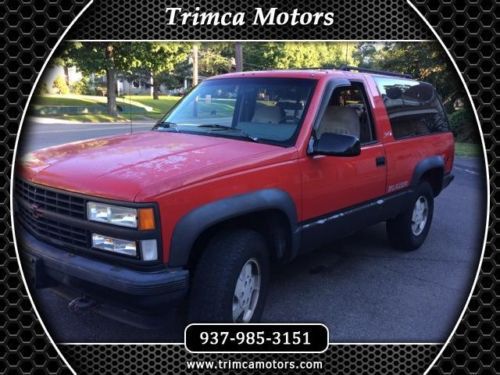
(42, 89)
(60, 85)
(81, 87)
(463, 125)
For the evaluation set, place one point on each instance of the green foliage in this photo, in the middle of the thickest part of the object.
(60, 85)
(42, 89)
(364, 54)
(462, 125)
(215, 58)
(425, 62)
(291, 55)
(81, 87)
(156, 57)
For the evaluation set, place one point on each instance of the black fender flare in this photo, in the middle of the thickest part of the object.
(193, 224)
(432, 162)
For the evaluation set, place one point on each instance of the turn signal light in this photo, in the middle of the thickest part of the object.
(146, 219)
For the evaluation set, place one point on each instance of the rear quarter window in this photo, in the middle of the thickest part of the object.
(414, 108)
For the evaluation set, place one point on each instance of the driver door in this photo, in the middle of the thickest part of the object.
(336, 184)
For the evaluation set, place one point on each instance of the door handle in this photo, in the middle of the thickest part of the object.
(380, 161)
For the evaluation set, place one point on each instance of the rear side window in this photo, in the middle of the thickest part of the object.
(414, 108)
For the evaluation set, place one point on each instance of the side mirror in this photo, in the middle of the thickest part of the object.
(336, 145)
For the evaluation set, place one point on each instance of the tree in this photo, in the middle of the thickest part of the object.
(216, 58)
(103, 58)
(428, 62)
(291, 55)
(157, 59)
(64, 59)
(364, 54)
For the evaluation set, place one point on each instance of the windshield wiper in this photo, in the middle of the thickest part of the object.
(166, 125)
(229, 128)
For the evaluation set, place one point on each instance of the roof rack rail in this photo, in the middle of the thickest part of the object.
(374, 71)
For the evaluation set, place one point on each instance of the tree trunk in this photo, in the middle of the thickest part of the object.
(111, 81)
(238, 56)
(155, 87)
(66, 74)
(151, 85)
(195, 65)
(111, 91)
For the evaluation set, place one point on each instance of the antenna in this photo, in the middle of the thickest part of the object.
(130, 109)
(130, 100)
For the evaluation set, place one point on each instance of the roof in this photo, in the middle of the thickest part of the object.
(291, 73)
(310, 73)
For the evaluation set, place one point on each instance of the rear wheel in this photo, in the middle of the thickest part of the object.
(231, 279)
(409, 230)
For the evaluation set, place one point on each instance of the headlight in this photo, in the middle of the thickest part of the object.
(114, 245)
(149, 248)
(142, 218)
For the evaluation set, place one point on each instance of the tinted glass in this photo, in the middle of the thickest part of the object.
(413, 107)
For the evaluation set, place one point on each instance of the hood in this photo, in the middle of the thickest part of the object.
(137, 166)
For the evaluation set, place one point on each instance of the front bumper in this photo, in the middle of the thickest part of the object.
(109, 285)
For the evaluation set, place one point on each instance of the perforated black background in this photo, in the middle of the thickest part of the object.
(343, 359)
(117, 19)
(29, 30)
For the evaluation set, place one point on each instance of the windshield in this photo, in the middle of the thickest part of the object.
(256, 109)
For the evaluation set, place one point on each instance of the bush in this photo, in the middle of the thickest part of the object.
(81, 87)
(60, 85)
(463, 125)
(42, 89)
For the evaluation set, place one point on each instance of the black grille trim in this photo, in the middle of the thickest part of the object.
(51, 200)
(59, 218)
(31, 197)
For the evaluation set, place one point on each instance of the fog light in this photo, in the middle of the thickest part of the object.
(114, 245)
(149, 250)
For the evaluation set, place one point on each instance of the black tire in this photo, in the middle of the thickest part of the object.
(217, 271)
(399, 230)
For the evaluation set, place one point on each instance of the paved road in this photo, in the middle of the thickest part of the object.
(361, 288)
(39, 135)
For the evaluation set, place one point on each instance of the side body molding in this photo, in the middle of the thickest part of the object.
(193, 224)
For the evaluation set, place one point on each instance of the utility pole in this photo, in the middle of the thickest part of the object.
(238, 56)
(195, 64)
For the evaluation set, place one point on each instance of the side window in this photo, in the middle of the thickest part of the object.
(414, 108)
(348, 113)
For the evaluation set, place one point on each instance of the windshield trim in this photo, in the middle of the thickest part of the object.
(287, 143)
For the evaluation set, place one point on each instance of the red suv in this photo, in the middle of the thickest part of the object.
(246, 171)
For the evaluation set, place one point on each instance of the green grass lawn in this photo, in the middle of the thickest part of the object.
(160, 106)
(137, 107)
(63, 100)
(468, 149)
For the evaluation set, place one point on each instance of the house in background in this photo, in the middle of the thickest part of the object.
(124, 86)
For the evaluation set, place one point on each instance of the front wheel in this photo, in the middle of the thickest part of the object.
(409, 230)
(231, 279)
